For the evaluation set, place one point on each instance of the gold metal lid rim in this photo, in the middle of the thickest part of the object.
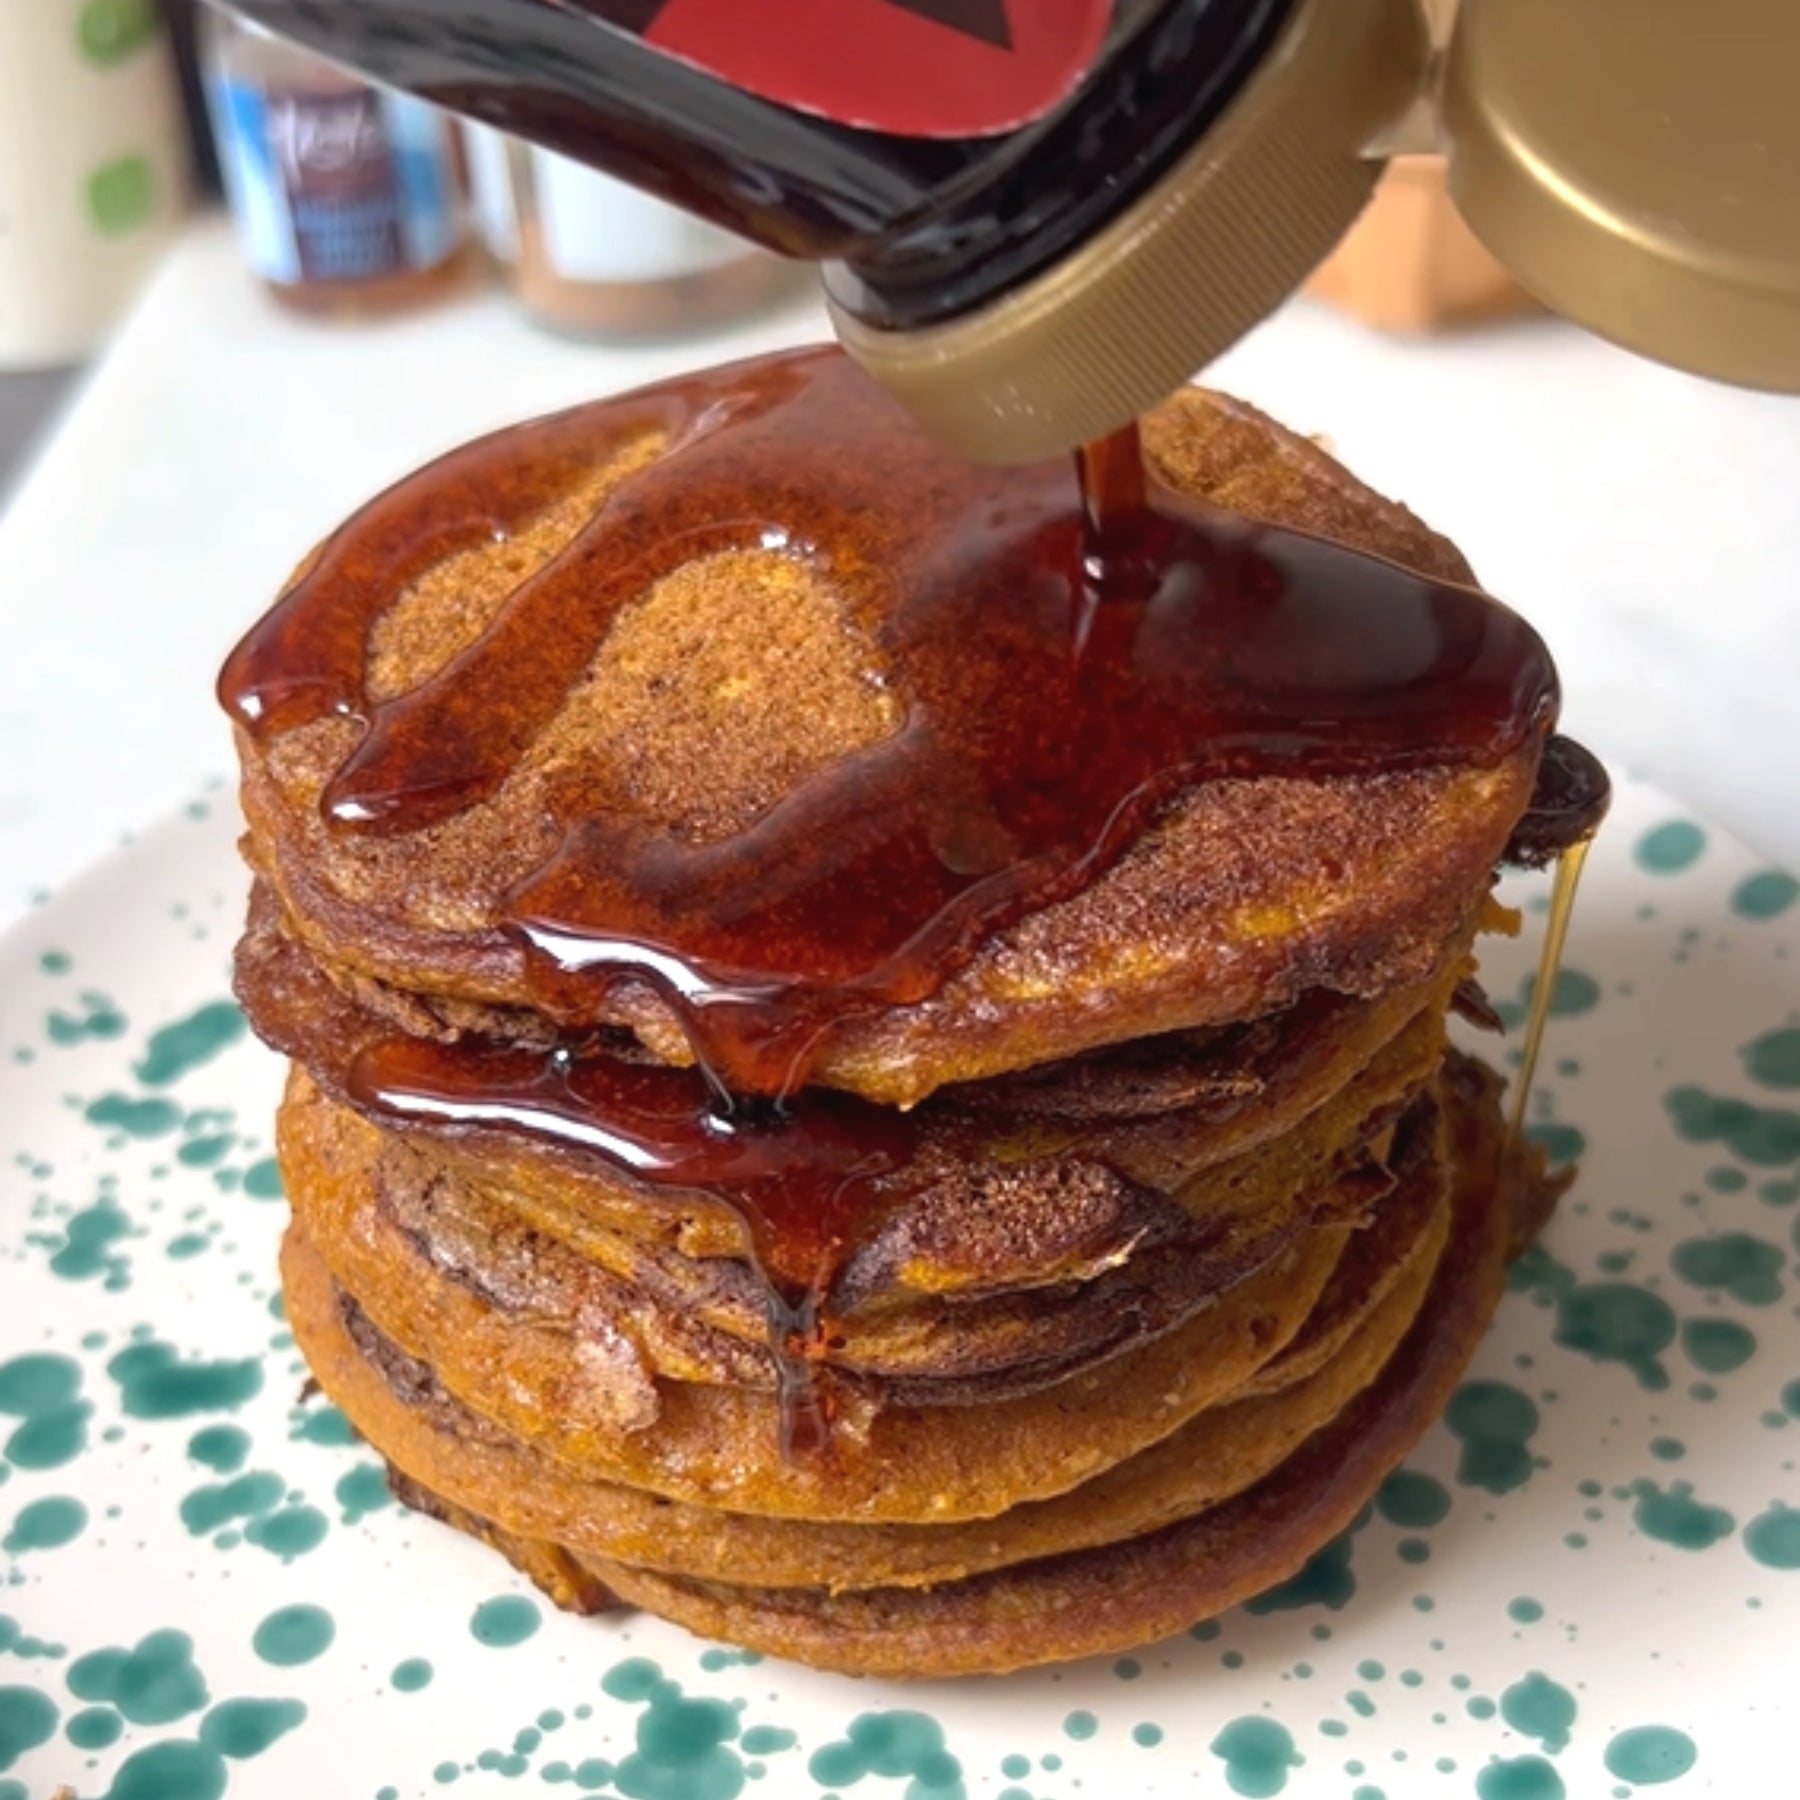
(1185, 270)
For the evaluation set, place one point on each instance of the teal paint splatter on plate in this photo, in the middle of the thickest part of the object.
(154, 1382)
(241, 1729)
(142, 1116)
(1774, 1058)
(1520, 1778)
(1412, 1500)
(505, 1621)
(90, 1245)
(1496, 1423)
(295, 1634)
(154, 1683)
(16, 1641)
(222, 1448)
(179, 1048)
(1571, 994)
(1764, 895)
(46, 1524)
(361, 1491)
(206, 1152)
(1766, 1136)
(1674, 1516)
(43, 1392)
(94, 1728)
(1717, 1345)
(1258, 1754)
(327, 1426)
(208, 1509)
(1561, 1143)
(98, 1021)
(1617, 1321)
(898, 1745)
(294, 1530)
(1773, 1537)
(1669, 848)
(1648, 1755)
(772, 1740)
(1748, 1268)
(1326, 1580)
(1540, 1708)
(173, 1770)
(262, 1180)
(27, 1719)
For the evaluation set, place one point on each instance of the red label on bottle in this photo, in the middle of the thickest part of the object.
(918, 68)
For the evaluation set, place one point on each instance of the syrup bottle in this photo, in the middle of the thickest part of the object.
(1040, 216)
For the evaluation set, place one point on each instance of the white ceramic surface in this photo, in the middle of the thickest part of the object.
(204, 1591)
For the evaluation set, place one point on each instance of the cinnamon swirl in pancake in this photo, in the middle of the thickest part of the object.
(870, 1049)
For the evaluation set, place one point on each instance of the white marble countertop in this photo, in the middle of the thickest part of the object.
(1649, 524)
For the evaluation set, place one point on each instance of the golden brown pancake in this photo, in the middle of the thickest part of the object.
(908, 1306)
(704, 706)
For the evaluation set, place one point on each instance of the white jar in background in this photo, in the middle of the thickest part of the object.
(93, 169)
(592, 256)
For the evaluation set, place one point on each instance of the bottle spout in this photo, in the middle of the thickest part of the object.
(1180, 274)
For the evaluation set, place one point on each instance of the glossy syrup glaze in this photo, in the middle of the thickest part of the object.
(1073, 644)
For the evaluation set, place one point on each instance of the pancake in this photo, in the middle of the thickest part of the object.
(894, 1312)
(701, 710)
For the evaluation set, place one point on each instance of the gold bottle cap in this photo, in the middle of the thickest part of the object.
(1637, 166)
(1211, 249)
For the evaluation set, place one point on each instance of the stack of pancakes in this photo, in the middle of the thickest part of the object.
(1200, 1220)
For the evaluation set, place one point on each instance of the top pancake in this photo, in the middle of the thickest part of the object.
(731, 681)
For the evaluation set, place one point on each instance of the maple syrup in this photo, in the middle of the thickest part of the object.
(806, 1176)
(1569, 866)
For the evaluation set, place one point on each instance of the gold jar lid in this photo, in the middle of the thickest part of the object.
(1637, 167)
(1184, 271)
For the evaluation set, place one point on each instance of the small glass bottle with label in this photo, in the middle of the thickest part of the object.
(346, 195)
(589, 256)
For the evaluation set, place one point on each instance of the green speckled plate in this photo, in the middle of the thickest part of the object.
(1586, 1582)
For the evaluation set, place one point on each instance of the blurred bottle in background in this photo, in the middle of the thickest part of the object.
(93, 170)
(346, 195)
(589, 256)
(1411, 266)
